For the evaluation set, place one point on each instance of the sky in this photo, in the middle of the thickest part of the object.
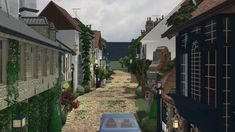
(118, 20)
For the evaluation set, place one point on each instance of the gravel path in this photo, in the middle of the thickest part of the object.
(115, 97)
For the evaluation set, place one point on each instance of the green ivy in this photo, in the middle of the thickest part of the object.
(13, 68)
(86, 46)
(182, 15)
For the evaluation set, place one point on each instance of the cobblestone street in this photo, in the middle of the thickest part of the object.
(116, 97)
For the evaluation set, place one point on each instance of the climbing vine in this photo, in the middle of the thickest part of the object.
(182, 15)
(86, 46)
(13, 68)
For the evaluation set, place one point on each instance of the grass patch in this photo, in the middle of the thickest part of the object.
(141, 104)
(141, 113)
(111, 103)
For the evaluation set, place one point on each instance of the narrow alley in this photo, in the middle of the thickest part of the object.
(116, 97)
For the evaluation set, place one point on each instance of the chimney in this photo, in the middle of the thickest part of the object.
(28, 8)
(12, 7)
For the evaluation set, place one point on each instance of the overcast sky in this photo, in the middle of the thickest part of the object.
(118, 20)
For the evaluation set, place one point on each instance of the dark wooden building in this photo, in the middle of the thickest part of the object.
(205, 98)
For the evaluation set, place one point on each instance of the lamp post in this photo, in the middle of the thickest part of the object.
(158, 95)
(97, 75)
(72, 71)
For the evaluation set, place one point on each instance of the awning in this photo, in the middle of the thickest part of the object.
(196, 113)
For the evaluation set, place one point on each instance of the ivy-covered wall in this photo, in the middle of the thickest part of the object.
(42, 111)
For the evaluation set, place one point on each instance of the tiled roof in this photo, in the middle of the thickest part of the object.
(97, 39)
(60, 17)
(204, 10)
(169, 81)
(206, 5)
(34, 20)
(16, 28)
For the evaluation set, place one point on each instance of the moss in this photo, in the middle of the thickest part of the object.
(182, 15)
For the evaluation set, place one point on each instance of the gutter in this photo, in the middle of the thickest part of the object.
(23, 36)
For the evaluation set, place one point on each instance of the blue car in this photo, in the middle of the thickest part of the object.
(119, 123)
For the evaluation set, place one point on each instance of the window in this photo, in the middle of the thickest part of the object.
(210, 32)
(52, 63)
(227, 73)
(1, 61)
(195, 71)
(210, 78)
(184, 74)
(196, 30)
(184, 40)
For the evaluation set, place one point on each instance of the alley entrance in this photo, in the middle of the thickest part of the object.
(116, 97)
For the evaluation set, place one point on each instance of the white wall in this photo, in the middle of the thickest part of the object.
(69, 37)
(154, 39)
(152, 46)
(13, 7)
(32, 4)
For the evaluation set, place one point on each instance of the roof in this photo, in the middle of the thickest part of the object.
(60, 17)
(169, 81)
(37, 21)
(205, 9)
(66, 47)
(116, 50)
(79, 24)
(97, 39)
(10, 25)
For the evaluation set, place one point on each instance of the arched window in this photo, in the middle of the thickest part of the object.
(195, 72)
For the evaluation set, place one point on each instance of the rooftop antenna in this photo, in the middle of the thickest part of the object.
(75, 10)
(7, 9)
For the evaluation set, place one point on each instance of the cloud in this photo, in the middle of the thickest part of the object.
(118, 20)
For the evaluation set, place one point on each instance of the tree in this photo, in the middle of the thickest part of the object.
(138, 67)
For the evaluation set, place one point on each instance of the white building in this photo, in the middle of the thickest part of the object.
(69, 34)
(153, 39)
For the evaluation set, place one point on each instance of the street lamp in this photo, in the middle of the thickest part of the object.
(19, 121)
(72, 71)
(158, 93)
(176, 122)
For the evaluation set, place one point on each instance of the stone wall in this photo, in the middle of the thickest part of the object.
(28, 89)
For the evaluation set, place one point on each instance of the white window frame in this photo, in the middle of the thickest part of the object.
(195, 86)
(184, 74)
(212, 32)
(208, 77)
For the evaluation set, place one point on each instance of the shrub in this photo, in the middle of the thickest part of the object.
(149, 125)
(87, 88)
(81, 90)
(138, 91)
(66, 85)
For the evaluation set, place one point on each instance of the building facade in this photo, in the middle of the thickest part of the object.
(29, 70)
(68, 32)
(205, 97)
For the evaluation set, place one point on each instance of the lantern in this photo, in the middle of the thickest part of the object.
(19, 121)
(159, 87)
(175, 123)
